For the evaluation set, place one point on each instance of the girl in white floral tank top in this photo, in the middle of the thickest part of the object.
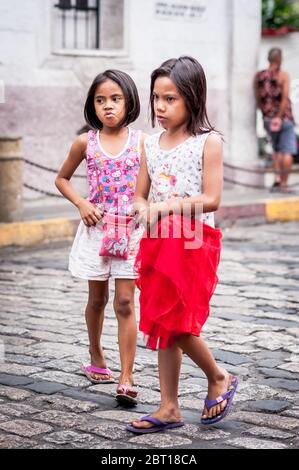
(177, 170)
(181, 168)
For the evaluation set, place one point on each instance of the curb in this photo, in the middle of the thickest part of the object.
(39, 231)
(269, 210)
(36, 231)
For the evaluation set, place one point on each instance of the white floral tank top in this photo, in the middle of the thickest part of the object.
(178, 170)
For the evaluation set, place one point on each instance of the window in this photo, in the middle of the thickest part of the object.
(81, 25)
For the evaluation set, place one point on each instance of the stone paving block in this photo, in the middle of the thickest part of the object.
(72, 380)
(293, 348)
(15, 341)
(270, 363)
(295, 443)
(13, 330)
(6, 379)
(11, 441)
(230, 358)
(161, 441)
(115, 445)
(148, 396)
(61, 418)
(110, 431)
(200, 433)
(57, 350)
(190, 388)
(15, 394)
(105, 389)
(286, 384)
(118, 415)
(255, 391)
(4, 417)
(44, 446)
(271, 421)
(56, 402)
(269, 433)
(49, 336)
(192, 403)
(28, 360)
(275, 373)
(18, 369)
(239, 348)
(63, 366)
(274, 341)
(69, 437)
(268, 406)
(25, 428)
(148, 381)
(45, 387)
(18, 409)
(290, 366)
(293, 413)
(250, 443)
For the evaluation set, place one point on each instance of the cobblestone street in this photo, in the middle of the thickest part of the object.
(253, 331)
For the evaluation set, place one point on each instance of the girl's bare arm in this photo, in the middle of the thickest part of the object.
(143, 182)
(89, 213)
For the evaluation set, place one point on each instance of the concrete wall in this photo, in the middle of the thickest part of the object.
(204, 37)
(243, 61)
(45, 90)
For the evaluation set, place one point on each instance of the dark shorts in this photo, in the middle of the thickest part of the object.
(283, 141)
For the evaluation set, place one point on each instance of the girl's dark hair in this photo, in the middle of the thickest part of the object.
(188, 76)
(132, 103)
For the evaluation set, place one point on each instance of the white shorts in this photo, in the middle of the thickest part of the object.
(85, 262)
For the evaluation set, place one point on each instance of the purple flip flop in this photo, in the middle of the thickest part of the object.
(158, 425)
(229, 395)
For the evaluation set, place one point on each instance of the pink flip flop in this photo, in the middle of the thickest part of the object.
(124, 395)
(90, 369)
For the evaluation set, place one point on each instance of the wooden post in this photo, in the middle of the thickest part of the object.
(10, 179)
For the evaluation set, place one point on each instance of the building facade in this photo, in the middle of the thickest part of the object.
(51, 50)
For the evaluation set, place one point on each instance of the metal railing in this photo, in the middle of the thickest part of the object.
(226, 179)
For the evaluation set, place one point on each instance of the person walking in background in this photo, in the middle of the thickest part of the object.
(183, 169)
(272, 98)
(112, 152)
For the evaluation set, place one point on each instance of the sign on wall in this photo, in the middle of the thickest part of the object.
(180, 10)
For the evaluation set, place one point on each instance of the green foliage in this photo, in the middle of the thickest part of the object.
(278, 13)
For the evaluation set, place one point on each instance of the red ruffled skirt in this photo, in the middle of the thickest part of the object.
(177, 277)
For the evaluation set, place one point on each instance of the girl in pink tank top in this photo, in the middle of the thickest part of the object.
(112, 151)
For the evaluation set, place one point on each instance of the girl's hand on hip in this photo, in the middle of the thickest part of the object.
(89, 213)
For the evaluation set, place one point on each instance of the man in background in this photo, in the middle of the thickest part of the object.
(272, 98)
